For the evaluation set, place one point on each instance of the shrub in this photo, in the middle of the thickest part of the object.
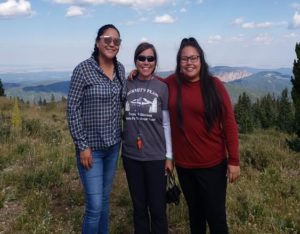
(32, 127)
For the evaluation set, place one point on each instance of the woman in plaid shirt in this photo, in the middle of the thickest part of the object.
(94, 118)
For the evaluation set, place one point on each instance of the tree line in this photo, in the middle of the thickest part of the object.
(266, 112)
(282, 113)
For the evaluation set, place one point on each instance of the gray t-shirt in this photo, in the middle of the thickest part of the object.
(145, 100)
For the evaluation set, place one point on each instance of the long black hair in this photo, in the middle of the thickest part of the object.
(212, 101)
(101, 31)
(95, 53)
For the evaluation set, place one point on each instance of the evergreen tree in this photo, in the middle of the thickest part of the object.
(52, 98)
(40, 102)
(63, 99)
(256, 112)
(2, 91)
(268, 111)
(296, 89)
(285, 113)
(243, 113)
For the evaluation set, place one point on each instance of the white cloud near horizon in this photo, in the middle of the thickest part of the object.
(164, 19)
(14, 8)
(290, 35)
(263, 39)
(75, 11)
(252, 25)
(238, 38)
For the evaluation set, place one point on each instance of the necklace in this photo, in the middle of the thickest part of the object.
(139, 141)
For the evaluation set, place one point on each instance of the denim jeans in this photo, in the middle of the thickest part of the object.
(97, 184)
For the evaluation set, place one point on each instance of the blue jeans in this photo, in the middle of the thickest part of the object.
(97, 184)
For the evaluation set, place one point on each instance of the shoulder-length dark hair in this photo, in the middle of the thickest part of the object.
(142, 47)
(211, 99)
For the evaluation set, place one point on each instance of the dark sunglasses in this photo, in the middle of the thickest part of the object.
(108, 39)
(143, 58)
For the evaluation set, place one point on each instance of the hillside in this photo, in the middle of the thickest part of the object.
(256, 82)
(40, 191)
(271, 82)
(58, 87)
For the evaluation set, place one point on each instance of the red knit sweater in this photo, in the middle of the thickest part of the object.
(196, 148)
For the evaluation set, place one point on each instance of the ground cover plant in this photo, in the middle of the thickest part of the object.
(40, 191)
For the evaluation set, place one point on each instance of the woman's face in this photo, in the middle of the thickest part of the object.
(145, 63)
(190, 63)
(108, 44)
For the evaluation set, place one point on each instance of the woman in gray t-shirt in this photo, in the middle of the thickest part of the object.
(147, 150)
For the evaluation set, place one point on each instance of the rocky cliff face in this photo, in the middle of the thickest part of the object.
(228, 76)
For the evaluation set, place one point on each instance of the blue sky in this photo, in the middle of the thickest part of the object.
(58, 34)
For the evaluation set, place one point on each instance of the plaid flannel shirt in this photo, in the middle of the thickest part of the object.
(94, 106)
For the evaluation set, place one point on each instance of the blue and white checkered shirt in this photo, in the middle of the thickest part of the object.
(94, 106)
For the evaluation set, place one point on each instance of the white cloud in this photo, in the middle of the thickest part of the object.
(13, 8)
(164, 19)
(183, 10)
(199, 1)
(144, 39)
(296, 20)
(64, 1)
(238, 21)
(295, 5)
(75, 11)
(290, 35)
(139, 4)
(263, 39)
(143, 19)
(238, 38)
(129, 23)
(251, 25)
(214, 39)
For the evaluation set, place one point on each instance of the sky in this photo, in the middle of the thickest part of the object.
(59, 34)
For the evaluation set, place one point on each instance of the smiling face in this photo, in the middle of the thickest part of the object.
(108, 49)
(145, 63)
(190, 63)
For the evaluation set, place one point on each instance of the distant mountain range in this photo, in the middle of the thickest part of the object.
(255, 82)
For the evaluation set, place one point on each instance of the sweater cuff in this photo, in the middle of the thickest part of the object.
(233, 161)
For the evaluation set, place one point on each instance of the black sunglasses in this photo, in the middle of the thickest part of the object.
(143, 58)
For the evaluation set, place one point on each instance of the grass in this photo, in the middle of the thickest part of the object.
(40, 191)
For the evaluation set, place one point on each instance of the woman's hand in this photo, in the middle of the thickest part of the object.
(169, 166)
(86, 158)
(233, 172)
(132, 74)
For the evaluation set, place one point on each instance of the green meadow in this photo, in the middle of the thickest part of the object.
(40, 191)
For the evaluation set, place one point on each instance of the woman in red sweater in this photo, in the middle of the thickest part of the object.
(204, 138)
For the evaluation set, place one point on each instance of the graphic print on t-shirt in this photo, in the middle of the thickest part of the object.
(141, 104)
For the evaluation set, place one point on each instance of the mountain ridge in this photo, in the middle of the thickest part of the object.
(256, 82)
